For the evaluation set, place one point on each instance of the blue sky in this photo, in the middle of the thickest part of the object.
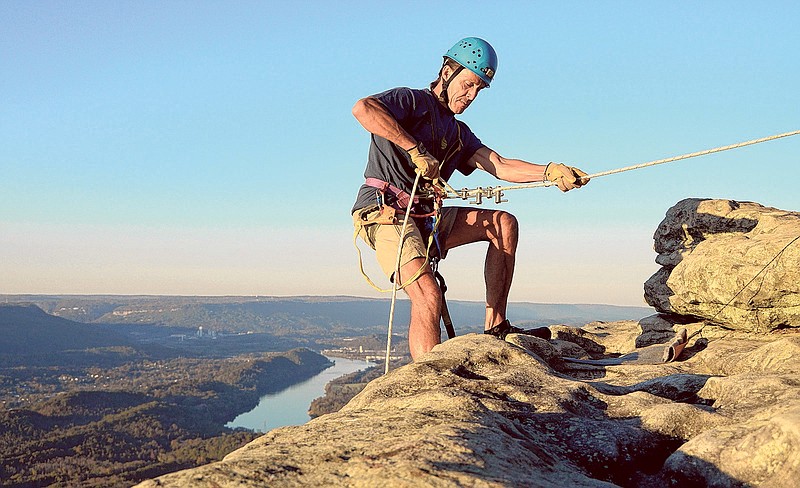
(207, 148)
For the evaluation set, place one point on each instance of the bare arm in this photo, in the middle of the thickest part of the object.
(374, 117)
(507, 169)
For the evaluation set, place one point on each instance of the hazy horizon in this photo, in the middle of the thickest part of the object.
(208, 149)
(280, 297)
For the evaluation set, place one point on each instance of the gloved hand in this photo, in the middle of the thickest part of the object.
(565, 177)
(427, 165)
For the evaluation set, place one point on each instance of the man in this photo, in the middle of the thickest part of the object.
(416, 132)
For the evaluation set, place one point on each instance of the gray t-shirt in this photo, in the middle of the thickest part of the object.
(428, 121)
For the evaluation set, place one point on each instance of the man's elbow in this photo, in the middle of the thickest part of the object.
(361, 108)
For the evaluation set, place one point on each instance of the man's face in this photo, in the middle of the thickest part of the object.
(463, 90)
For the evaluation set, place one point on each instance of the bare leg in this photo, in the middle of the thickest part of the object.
(426, 308)
(498, 270)
(501, 231)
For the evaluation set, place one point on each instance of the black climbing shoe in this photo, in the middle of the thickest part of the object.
(504, 328)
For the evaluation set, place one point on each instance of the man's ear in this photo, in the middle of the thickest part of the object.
(447, 72)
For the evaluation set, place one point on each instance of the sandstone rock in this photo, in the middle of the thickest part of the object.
(733, 263)
(594, 406)
(760, 398)
(481, 412)
(656, 329)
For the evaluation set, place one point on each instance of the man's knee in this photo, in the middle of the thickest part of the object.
(425, 290)
(508, 222)
(507, 229)
(425, 294)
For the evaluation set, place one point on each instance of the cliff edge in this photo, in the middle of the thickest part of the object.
(478, 411)
(594, 406)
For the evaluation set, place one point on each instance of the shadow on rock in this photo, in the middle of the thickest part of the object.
(479, 411)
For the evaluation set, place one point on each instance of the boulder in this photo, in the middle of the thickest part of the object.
(478, 411)
(728, 262)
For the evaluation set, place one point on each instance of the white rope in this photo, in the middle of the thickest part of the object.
(496, 192)
(397, 278)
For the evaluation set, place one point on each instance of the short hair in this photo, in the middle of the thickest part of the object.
(450, 63)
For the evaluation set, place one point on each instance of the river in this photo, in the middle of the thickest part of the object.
(290, 406)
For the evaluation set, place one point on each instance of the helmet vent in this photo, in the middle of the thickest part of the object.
(477, 55)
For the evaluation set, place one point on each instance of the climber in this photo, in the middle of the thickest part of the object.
(415, 130)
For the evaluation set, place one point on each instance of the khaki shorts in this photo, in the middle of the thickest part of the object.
(384, 238)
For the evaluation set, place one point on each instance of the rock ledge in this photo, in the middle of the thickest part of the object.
(478, 411)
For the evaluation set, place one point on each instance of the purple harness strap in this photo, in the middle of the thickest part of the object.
(402, 197)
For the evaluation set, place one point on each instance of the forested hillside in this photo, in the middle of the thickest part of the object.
(28, 330)
(299, 316)
(113, 413)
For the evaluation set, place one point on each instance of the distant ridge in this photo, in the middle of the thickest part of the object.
(285, 314)
(25, 329)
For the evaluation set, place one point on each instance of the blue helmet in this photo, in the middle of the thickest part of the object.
(476, 55)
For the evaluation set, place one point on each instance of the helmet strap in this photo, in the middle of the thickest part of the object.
(443, 96)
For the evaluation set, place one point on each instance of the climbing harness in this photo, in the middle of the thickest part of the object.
(401, 197)
(496, 193)
(384, 214)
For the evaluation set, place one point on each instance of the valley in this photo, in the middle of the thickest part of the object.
(109, 390)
